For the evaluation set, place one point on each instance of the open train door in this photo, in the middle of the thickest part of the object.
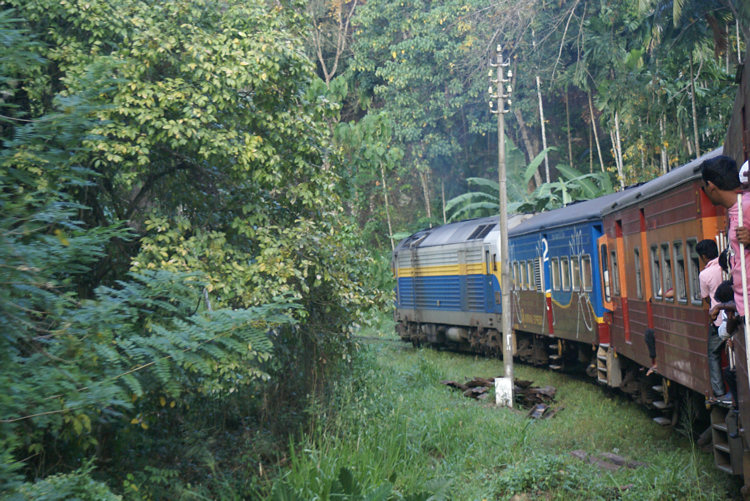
(603, 246)
(605, 285)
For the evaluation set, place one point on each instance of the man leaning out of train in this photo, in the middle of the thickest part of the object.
(721, 184)
(709, 279)
(724, 311)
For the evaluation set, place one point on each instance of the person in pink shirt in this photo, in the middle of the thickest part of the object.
(709, 279)
(721, 184)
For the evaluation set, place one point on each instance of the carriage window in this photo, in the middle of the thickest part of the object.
(605, 273)
(565, 273)
(588, 283)
(656, 272)
(519, 276)
(615, 273)
(638, 277)
(575, 273)
(693, 272)
(680, 292)
(667, 271)
(555, 267)
(525, 274)
(514, 274)
(530, 274)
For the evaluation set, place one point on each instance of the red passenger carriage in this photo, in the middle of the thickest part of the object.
(649, 247)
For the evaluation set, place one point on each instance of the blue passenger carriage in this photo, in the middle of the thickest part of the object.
(557, 285)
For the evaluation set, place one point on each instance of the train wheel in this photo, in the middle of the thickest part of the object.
(494, 342)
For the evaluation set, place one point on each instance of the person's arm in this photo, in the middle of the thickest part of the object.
(722, 306)
(743, 235)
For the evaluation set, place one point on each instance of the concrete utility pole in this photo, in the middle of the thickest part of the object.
(504, 385)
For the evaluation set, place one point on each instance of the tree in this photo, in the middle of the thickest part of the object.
(169, 214)
(425, 65)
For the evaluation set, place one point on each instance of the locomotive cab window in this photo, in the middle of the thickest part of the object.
(555, 270)
(565, 273)
(693, 268)
(586, 273)
(680, 292)
(638, 277)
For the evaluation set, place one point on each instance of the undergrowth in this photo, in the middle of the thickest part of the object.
(393, 431)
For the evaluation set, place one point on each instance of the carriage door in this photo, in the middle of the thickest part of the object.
(604, 272)
(492, 296)
(546, 285)
(619, 279)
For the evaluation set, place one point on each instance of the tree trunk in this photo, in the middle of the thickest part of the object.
(596, 134)
(618, 150)
(567, 122)
(729, 44)
(641, 147)
(387, 207)
(424, 179)
(343, 20)
(695, 115)
(541, 121)
(591, 152)
(737, 28)
(442, 193)
(663, 146)
(532, 149)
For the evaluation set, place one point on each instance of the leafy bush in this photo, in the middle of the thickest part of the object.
(158, 254)
(76, 485)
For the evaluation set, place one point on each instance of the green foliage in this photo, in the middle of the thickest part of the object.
(170, 229)
(368, 157)
(426, 66)
(394, 423)
(572, 185)
(75, 485)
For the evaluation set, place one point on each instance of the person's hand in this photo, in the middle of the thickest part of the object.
(714, 312)
(743, 235)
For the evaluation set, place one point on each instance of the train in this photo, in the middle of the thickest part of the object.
(588, 287)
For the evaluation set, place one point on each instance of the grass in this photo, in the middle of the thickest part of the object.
(392, 431)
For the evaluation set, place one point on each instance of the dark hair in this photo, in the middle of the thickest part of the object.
(724, 260)
(724, 292)
(721, 171)
(708, 249)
